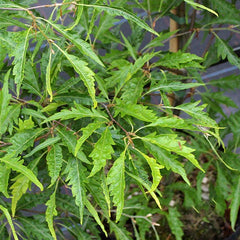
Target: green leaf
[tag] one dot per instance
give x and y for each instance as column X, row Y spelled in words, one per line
column 4, row 177
column 167, row 159
column 54, row 162
column 50, row 213
column 94, row 213
column 225, row 51
column 8, row 217
column 48, row 76
column 197, row 5
column 234, row 206
column 76, row 113
column 135, row 110
column 174, row 223
column 86, row 133
column 70, row 141
column 155, row 169
column 142, row 182
column 102, row 151
column 85, row 73
column 76, row 22
column 22, row 140
column 120, row 232
column 170, row 143
column 179, row 60
column 20, row 59
column 19, row 187
column 197, row 113
column 76, row 178
column 116, row 11
column 129, row 47
column 172, row 86
column 26, row 124
column 18, row 166
column 83, row 46
column 116, row 180
column 43, row 145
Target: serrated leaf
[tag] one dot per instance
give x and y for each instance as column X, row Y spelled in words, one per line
column 142, row 182
column 116, row 180
column 229, row 82
column 43, row 145
column 172, row 86
column 22, row 140
column 4, row 177
column 79, row 14
column 102, row 151
column 120, row 232
column 76, row 178
column 155, row 169
column 54, row 162
column 18, row 166
column 86, row 133
column 197, row 113
column 19, row 187
column 76, row 113
column 167, row 159
column 225, row 51
column 234, row 206
column 70, row 141
column 174, row 223
column 179, row 60
column 20, row 59
column 116, row 11
column 135, row 110
column 26, row 124
column 170, row 143
column 94, row 213
column 50, row 213
column 8, row 217
column 83, row 46
column 129, row 47
column 85, row 73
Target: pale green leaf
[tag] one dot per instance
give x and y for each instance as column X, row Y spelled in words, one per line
column 54, row 162
column 4, row 177
column 86, row 133
column 18, row 166
column 167, row 159
column 135, row 110
column 170, row 143
column 102, row 151
column 142, row 182
column 20, row 59
column 50, row 213
column 94, row 213
column 8, row 217
column 116, row 180
column 198, row 5
column 48, row 76
column 43, row 145
column 76, row 22
column 76, row 178
column 174, row 223
column 19, row 187
column 235, row 203
column 85, row 73
column 70, row 141
column 155, row 169
column 26, row 124
column 116, row 11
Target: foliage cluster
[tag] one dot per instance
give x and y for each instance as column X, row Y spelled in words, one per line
column 84, row 147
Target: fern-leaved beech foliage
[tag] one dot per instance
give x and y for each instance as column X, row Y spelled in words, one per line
column 85, row 148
